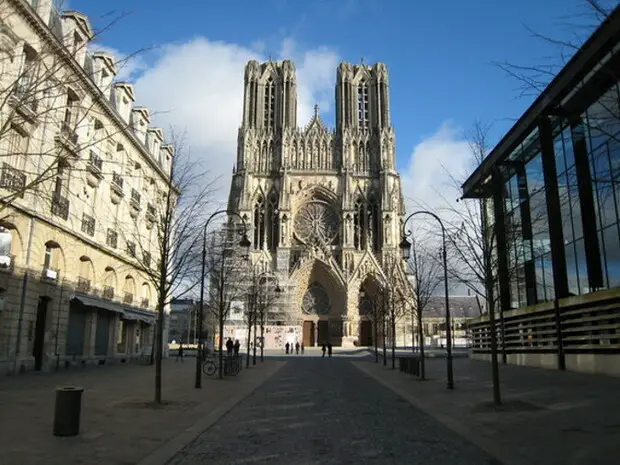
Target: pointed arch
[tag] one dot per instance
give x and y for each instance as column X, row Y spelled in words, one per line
column 269, row 104
column 359, row 223
column 272, row 223
column 259, row 221
column 374, row 222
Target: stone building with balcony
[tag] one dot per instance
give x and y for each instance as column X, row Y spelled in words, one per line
column 81, row 176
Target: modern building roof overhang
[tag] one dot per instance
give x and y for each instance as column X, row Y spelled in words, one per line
column 572, row 80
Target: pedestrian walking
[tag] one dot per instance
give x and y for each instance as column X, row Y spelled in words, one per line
column 324, row 348
column 180, row 353
column 286, row 346
column 302, row 348
column 236, row 347
column 329, row 348
column 297, row 348
column 229, row 346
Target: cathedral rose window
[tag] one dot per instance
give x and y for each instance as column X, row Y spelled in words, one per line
column 315, row 300
column 316, row 221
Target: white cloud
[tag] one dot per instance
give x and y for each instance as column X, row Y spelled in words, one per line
column 436, row 167
column 197, row 86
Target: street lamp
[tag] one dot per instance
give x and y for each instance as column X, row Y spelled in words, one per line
column 405, row 248
column 244, row 243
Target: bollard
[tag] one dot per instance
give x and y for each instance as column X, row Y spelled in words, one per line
column 67, row 411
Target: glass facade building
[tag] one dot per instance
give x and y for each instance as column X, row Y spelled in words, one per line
column 554, row 182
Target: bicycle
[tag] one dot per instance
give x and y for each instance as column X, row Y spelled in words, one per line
column 209, row 367
column 232, row 366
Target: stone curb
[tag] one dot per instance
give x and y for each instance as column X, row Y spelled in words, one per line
column 163, row 454
column 490, row 447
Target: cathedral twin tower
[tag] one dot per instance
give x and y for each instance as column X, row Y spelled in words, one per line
column 324, row 206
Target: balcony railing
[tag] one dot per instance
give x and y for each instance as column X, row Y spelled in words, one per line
column 88, row 224
column 83, row 284
column 68, row 132
column 117, row 180
column 60, row 206
column 131, row 249
column 147, row 259
column 144, row 303
column 95, row 161
column 12, row 179
column 108, row 292
column 128, row 298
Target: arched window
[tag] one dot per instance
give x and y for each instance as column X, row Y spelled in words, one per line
column 129, row 290
column 145, row 295
column 259, row 223
column 85, row 274
column 270, row 103
column 52, row 258
column 362, row 105
column 359, row 224
column 109, row 283
column 272, row 221
column 6, row 247
column 374, row 222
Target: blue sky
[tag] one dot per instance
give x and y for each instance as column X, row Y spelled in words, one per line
column 439, row 55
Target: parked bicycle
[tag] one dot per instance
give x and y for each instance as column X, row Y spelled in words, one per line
column 231, row 365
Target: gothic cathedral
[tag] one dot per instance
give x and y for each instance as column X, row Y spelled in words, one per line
column 324, row 206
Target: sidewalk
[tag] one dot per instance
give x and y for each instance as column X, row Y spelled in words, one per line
column 118, row 425
column 549, row 417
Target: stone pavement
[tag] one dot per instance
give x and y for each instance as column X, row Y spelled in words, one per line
column 323, row 412
column 118, row 426
column 549, row 417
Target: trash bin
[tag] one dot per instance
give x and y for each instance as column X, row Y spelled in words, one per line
column 67, row 411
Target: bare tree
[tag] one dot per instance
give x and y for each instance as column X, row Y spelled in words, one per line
column 269, row 292
column 229, row 273
column 394, row 296
column 46, row 124
column 428, row 276
column 165, row 242
column 250, row 317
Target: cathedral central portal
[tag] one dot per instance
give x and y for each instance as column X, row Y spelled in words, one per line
column 324, row 206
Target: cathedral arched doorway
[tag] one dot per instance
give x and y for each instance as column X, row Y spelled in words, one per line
column 321, row 303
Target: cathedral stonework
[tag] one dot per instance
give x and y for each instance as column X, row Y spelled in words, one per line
column 323, row 207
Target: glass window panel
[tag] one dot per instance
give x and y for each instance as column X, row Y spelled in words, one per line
column 603, row 118
column 611, row 259
column 558, row 148
column 535, row 176
column 603, row 188
column 575, row 206
column 564, row 197
column 571, row 269
column 569, row 154
column 582, row 267
column 544, row 278
column 541, row 242
column 614, row 157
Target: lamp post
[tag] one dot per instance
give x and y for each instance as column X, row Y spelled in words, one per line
column 405, row 248
column 245, row 243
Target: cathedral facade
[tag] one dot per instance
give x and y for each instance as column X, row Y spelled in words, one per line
column 323, row 206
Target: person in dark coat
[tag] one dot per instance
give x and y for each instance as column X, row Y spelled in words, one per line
column 329, row 349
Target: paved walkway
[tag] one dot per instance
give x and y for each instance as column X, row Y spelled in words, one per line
column 326, row 411
column 549, row 417
column 118, row 426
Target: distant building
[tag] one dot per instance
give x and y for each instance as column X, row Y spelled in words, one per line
column 552, row 185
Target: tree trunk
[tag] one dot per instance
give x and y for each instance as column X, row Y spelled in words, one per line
column 384, row 344
column 413, row 332
column 221, row 344
column 247, row 360
column 393, row 329
column 159, row 352
column 376, row 338
column 421, row 339
column 262, row 338
column 254, row 350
